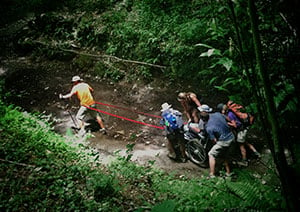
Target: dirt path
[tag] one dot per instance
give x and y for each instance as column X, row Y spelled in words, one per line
column 35, row 87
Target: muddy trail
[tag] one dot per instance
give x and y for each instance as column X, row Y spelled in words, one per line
column 35, row 86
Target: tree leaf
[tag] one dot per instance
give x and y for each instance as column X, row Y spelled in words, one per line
column 204, row 45
column 221, row 88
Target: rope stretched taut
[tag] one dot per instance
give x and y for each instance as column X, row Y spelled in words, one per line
column 124, row 118
column 123, row 108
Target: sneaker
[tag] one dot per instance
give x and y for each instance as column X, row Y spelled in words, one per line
column 257, row 154
column 81, row 132
column 75, row 128
column 243, row 163
column 183, row 160
column 211, row 176
column 172, row 156
column 103, row 131
column 229, row 174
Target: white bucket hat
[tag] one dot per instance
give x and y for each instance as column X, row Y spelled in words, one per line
column 165, row 106
column 76, row 78
column 205, row 108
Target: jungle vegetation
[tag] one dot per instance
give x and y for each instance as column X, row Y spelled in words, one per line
column 229, row 45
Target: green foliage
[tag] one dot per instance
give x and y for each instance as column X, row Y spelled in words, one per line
column 40, row 171
column 83, row 63
column 174, row 194
column 17, row 9
column 96, row 5
column 108, row 72
column 159, row 32
column 165, row 206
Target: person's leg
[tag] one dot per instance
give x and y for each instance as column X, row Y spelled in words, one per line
column 241, row 139
column 253, row 149
column 80, row 116
column 194, row 115
column 244, row 161
column 212, row 165
column 243, row 151
column 100, row 122
column 98, row 118
column 212, row 155
column 227, row 167
column 181, row 142
column 170, row 146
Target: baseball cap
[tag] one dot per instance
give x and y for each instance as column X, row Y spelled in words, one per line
column 220, row 107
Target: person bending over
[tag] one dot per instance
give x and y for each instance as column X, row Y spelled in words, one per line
column 83, row 91
column 190, row 103
column 220, row 134
column 241, row 132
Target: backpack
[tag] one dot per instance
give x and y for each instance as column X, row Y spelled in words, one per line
column 246, row 119
column 172, row 119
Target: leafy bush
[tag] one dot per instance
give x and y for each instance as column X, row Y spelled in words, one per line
column 249, row 192
column 40, row 171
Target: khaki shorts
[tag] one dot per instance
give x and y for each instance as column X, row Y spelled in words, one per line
column 83, row 112
column 221, row 149
column 241, row 136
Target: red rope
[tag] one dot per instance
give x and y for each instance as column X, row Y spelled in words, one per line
column 121, row 117
column 147, row 114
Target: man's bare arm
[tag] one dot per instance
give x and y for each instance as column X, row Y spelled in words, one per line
column 195, row 99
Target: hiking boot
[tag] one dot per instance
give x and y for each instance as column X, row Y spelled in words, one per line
column 243, row 163
column 257, row 154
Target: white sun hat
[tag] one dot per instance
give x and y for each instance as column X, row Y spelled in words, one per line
column 205, row 108
column 165, row 106
column 76, row 78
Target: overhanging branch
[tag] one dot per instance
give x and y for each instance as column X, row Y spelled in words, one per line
column 101, row 56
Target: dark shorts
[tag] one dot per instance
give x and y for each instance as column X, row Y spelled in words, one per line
column 176, row 137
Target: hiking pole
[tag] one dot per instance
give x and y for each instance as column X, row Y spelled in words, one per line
column 74, row 121
column 69, row 112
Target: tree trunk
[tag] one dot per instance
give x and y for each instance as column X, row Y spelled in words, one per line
column 251, row 76
column 288, row 184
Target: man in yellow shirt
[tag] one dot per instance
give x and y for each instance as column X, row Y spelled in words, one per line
column 83, row 92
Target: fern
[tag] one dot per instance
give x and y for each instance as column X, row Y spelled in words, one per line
column 255, row 195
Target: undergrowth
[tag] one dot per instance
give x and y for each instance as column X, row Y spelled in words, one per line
column 43, row 171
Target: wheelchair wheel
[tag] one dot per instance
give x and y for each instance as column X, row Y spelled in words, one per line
column 197, row 153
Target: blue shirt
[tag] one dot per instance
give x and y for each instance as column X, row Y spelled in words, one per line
column 217, row 127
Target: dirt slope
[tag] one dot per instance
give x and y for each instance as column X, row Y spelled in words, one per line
column 35, row 85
